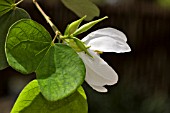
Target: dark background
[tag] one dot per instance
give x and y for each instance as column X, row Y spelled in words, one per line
column 144, row 73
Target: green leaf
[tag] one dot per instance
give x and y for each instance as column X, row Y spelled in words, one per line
column 31, row 100
column 59, row 69
column 6, row 21
column 26, row 44
column 5, row 6
column 82, row 7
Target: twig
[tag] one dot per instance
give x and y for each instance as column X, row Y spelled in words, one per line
column 55, row 29
column 19, row 2
column 56, row 36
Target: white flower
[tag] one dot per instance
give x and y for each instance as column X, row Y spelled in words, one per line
column 98, row 72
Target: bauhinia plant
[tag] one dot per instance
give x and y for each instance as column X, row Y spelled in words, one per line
column 61, row 66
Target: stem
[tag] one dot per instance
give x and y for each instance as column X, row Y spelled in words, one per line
column 56, row 37
column 55, row 29
column 19, row 2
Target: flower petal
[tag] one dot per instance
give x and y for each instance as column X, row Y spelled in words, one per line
column 98, row 72
column 107, row 40
column 99, row 88
column 107, row 32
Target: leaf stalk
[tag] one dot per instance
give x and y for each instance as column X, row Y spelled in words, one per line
column 56, row 37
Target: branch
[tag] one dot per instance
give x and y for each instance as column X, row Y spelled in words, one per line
column 55, row 29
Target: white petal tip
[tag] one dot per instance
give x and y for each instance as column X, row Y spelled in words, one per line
column 124, row 50
column 99, row 88
column 113, row 83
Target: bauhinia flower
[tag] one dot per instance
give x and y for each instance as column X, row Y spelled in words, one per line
column 98, row 72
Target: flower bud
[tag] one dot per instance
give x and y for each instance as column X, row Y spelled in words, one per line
column 73, row 26
column 87, row 26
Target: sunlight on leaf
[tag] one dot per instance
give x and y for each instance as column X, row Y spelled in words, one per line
column 31, row 100
column 59, row 69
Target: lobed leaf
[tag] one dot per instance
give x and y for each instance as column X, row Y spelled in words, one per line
column 62, row 70
column 58, row 68
column 6, row 21
column 31, row 100
column 26, row 44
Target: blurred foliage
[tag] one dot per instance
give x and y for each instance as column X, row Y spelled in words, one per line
column 164, row 3
column 81, row 8
column 98, row 2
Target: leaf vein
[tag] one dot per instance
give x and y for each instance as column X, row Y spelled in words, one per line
column 37, row 30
